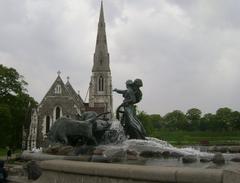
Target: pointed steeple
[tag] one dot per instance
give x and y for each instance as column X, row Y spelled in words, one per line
column 100, row 88
column 101, row 17
column 101, row 56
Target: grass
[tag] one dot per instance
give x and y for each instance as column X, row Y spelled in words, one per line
column 3, row 152
column 194, row 138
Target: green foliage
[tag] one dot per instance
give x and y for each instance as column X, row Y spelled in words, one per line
column 193, row 116
column 235, row 120
column 225, row 120
column 176, row 120
column 3, row 152
column 196, row 137
column 155, row 119
column 5, row 125
column 144, row 118
column 11, row 83
column 15, row 107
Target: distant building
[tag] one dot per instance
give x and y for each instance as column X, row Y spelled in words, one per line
column 62, row 99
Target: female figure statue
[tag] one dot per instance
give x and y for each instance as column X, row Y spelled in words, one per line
column 132, row 95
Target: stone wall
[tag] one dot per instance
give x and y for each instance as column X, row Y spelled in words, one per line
column 83, row 172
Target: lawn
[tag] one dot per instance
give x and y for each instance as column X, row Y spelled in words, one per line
column 3, row 151
column 194, row 138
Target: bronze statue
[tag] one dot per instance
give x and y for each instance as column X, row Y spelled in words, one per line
column 132, row 95
column 89, row 129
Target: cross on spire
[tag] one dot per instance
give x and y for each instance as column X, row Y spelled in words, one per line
column 59, row 72
column 68, row 78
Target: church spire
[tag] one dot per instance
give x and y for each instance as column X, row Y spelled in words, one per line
column 100, row 89
column 101, row 56
column 101, row 17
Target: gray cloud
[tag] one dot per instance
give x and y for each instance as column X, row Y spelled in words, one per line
column 186, row 52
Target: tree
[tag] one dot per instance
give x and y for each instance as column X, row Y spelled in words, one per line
column 5, row 125
column 207, row 122
column 155, row 120
column 193, row 116
column 235, row 120
column 145, row 119
column 223, row 118
column 15, row 105
column 11, row 83
column 176, row 120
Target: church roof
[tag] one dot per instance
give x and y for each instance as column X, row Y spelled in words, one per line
column 52, row 90
column 73, row 93
column 59, row 89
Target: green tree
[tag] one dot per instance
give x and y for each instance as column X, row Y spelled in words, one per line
column 207, row 122
column 11, row 83
column 235, row 120
column 155, row 120
column 15, row 106
column 223, row 118
column 176, row 120
column 193, row 116
column 145, row 119
column 5, row 125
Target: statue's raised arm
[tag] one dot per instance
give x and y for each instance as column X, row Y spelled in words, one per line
column 119, row 91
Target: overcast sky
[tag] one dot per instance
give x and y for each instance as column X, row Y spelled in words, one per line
column 186, row 52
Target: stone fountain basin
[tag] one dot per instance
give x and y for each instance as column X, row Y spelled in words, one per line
column 142, row 152
column 68, row 171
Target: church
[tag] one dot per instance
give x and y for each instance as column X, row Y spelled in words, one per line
column 62, row 100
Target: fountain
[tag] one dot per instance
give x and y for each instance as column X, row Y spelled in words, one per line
column 123, row 134
column 122, row 140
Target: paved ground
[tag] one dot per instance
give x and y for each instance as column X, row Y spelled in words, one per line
column 17, row 179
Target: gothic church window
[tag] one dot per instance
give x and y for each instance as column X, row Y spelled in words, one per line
column 47, row 124
column 58, row 89
column 58, row 112
column 100, row 83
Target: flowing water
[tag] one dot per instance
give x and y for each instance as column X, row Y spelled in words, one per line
column 155, row 145
column 150, row 144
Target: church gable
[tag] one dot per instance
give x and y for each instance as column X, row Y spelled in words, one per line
column 62, row 96
column 57, row 89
